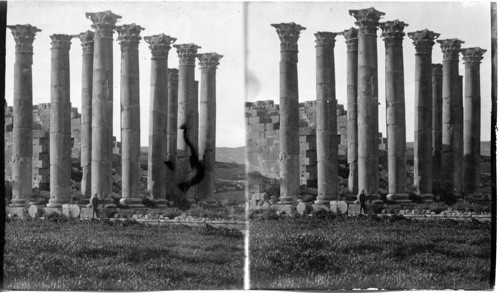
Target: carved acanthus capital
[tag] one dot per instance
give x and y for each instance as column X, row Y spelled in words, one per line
column 209, row 60
column 87, row 39
column 326, row 39
column 351, row 38
column 159, row 45
column 289, row 35
column 103, row 23
column 24, row 35
column 367, row 20
column 423, row 40
column 173, row 74
column 129, row 35
column 187, row 53
column 392, row 32
column 437, row 69
column 60, row 41
column 450, row 48
column 472, row 56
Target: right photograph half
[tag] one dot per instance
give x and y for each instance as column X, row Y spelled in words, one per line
column 370, row 145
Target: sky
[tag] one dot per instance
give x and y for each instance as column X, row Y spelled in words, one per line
column 215, row 26
column 469, row 22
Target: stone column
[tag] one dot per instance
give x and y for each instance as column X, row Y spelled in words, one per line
column 289, row 112
column 451, row 157
column 208, row 65
column 102, row 103
column 173, row 82
column 87, row 39
column 392, row 32
column 437, row 123
column 351, row 37
column 423, row 41
column 157, row 170
column 129, row 37
column 326, row 119
column 368, row 176
column 186, row 116
column 60, row 122
column 472, row 119
column 461, row 131
column 22, row 133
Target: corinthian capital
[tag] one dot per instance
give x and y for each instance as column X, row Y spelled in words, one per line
column 187, row 53
column 60, row 41
column 450, row 48
column 351, row 38
column 326, row 39
column 437, row 69
column 209, row 60
column 159, row 45
column 392, row 32
column 472, row 55
column 24, row 35
column 103, row 23
column 423, row 40
column 87, row 39
column 367, row 19
column 129, row 35
column 289, row 35
column 173, row 74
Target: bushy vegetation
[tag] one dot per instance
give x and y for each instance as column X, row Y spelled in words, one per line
column 369, row 252
column 67, row 254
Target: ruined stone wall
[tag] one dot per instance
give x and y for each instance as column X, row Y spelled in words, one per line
column 262, row 121
column 41, row 127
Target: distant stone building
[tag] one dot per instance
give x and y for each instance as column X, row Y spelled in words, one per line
column 263, row 122
column 41, row 127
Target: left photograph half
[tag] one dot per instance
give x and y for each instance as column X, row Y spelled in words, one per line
column 124, row 146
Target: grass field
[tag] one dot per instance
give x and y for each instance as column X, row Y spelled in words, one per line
column 91, row 255
column 363, row 252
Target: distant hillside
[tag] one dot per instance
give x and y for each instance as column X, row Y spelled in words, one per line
column 485, row 148
column 229, row 155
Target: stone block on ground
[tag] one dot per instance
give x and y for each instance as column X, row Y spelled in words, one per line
column 18, row 211
column 52, row 211
column 304, row 208
column 35, row 211
column 339, row 207
column 320, row 207
column 353, row 209
column 86, row 213
column 287, row 208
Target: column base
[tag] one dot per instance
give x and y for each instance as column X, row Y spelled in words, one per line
column 322, row 201
column 56, row 203
column 427, row 197
column 162, row 203
column 18, row 202
column 132, row 202
column 286, row 199
column 399, row 197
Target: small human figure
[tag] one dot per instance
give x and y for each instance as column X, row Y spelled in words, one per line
column 362, row 202
column 95, row 205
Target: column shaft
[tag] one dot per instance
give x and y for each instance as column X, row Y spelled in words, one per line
column 60, row 122
column 173, row 79
column 437, row 124
column 22, row 144
column 326, row 119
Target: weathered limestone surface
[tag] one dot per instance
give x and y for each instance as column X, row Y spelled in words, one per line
column 60, row 122
column 129, row 37
column 22, row 148
column 326, row 119
column 173, row 86
column 392, row 32
column 157, row 171
column 472, row 119
column 461, row 130
column 423, row 41
column 437, row 124
column 368, row 176
column 289, row 112
column 87, row 39
column 102, row 103
column 187, row 115
column 351, row 36
column 451, row 156
column 207, row 126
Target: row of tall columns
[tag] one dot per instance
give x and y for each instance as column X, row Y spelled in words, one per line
column 367, row 112
column 326, row 119
column 60, row 122
column 289, row 112
column 392, row 32
column 22, row 150
column 87, row 40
